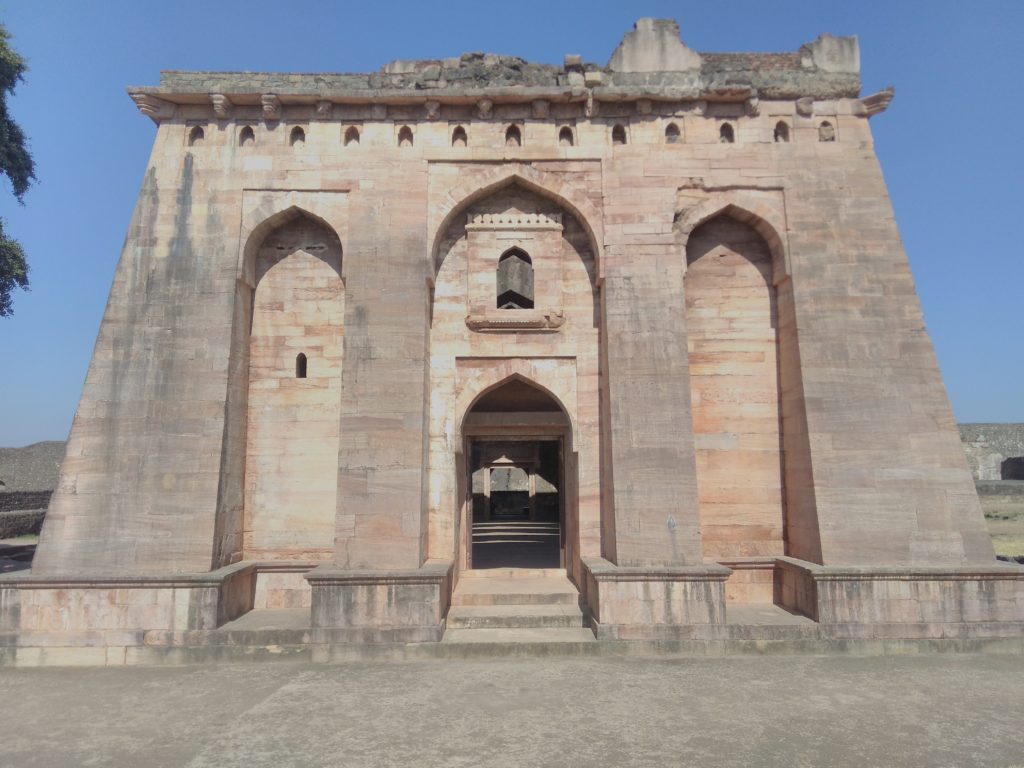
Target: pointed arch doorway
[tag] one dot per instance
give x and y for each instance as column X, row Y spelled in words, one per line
column 518, row 479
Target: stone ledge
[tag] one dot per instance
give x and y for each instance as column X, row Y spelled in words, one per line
column 31, row 580
column 604, row 570
column 995, row 572
column 171, row 655
column 431, row 572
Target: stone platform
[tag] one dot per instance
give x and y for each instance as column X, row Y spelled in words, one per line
column 509, row 613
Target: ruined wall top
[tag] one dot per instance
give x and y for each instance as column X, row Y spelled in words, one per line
column 651, row 62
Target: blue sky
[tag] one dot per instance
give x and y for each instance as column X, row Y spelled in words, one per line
column 950, row 145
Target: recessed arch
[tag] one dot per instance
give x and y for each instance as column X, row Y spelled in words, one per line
column 297, row 136
column 727, row 134
column 289, row 326
column 672, row 134
column 246, row 136
column 459, row 137
column 405, row 136
column 260, row 230
column 196, row 136
column 565, row 137
column 543, row 183
column 492, row 382
column 754, row 213
column 826, row 131
column 513, row 136
column 619, row 134
column 351, row 135
column 781, row 133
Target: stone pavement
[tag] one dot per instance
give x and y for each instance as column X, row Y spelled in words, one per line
column 751, row 711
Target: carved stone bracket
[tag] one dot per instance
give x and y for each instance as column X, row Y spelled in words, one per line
column 541, row 107
column 644, row 106
column 222, row 106
column 152, row 107
column 324, row 109
column 805, row 106
column 271, row 107
column 878, row 102
column 378, row 111
column 484, row 108
column 433, row 109
column 516, row 320
column 753, row 106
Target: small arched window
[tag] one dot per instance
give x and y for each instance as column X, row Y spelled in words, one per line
column 297, row 137
column 351, row 135
column 672, row 134
column 515, row 280
column 781, row 132
column 826, row 131
column 405, row 136
column 726, row 135
column 459, row 138
column 246, row 136
column 196, row 136
column 300, row 366
column 513, row 136
column 565, row 137
column 618, row 135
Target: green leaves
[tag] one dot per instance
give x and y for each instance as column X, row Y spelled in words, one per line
column 13, row 270
column 17, row 164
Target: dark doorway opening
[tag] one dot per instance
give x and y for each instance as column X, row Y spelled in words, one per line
column 1012, row 468
column 517, row 502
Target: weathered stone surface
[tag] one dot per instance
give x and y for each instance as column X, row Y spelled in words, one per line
column 310, row 335
column 653, row 46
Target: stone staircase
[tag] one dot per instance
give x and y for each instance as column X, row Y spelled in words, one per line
column 517, row 611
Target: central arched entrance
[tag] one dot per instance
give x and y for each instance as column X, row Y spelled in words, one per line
column 517, row 438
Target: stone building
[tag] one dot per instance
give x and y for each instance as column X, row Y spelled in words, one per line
column 383, row 348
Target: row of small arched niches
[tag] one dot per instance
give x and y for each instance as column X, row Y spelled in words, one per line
column 514, row 135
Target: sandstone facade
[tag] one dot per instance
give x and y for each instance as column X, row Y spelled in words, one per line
column 682, row 270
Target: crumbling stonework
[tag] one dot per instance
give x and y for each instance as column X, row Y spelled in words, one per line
column 310, row 336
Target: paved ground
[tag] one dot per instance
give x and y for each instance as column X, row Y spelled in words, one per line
column 773, row 711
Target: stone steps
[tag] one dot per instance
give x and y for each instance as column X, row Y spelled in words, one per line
column 515, row 617
column 507, row 611
column 527, row 590
column 512, row 573
column 519, row 635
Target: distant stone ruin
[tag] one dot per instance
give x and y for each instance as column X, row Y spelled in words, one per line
column 995, row 452
column 28, row 477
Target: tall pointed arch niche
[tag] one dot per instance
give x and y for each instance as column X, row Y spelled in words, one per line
column 294, row 394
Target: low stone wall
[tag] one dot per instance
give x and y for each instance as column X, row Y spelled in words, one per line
column 380, row 606
column 21, row 522
column 21, row 501
column 22, row 512
column 634, row 603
